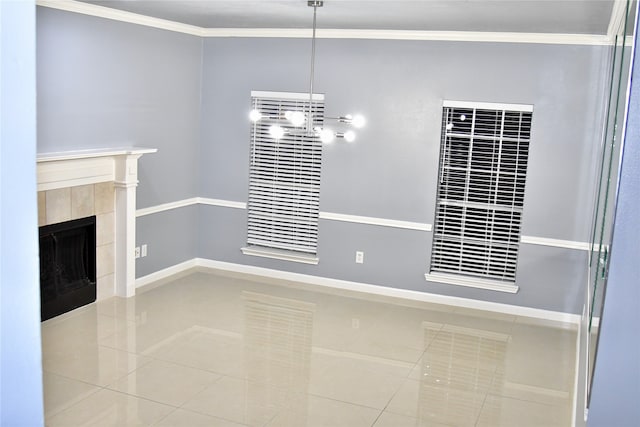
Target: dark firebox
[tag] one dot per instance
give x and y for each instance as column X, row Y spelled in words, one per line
column 67, row 266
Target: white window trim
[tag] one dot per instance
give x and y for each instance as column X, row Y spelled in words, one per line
column 258, row 241
column 525, row 108
column 472, row 282
column 286, row 95
column 280, row 254
column 461, row 279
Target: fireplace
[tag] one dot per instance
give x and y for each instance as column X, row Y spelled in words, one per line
column 100, row 182
column 67, row 266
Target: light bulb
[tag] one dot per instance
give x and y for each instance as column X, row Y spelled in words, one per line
column 326, row 135
column 449, row 126
column 349, row 136
column 255, row 115
column 358, row 121
column 297, row 118
column 276, row 131
column 463, row 117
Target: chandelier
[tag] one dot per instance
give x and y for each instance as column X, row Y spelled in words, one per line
column 301, row 120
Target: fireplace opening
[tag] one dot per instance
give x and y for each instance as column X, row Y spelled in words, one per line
column 67, row 266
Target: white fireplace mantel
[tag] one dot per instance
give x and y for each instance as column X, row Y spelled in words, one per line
column 117, row 165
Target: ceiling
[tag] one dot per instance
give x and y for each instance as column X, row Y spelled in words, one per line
column 524, row 16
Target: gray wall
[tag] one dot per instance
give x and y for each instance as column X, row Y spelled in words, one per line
column 390, row 172
column 616, row 384
column 20, row 353
column 399, row 86
column 103, row 83
column 167, row 244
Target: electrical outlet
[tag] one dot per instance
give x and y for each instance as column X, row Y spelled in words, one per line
column 137, row 252
column 143, row 250
column 359, row 257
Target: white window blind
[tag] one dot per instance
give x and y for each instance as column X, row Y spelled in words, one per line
column 483, row 163
column 284, row 175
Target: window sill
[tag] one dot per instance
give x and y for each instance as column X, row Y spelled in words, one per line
column 281, row 255
column 491, row 285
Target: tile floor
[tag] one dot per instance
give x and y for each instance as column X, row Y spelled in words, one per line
column 225, row 350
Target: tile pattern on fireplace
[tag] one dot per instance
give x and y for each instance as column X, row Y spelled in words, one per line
column 68, row 203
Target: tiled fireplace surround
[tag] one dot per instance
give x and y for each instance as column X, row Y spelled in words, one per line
column 64, row 204
column 78, row 184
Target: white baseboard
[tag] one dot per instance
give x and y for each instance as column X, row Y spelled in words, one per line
column 536, row 313
column 165, row 273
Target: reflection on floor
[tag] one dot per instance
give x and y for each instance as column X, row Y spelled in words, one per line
column 223, row 350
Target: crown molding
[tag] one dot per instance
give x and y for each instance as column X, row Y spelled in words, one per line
column 120, row 15
column 617, row 18
column 461, row 36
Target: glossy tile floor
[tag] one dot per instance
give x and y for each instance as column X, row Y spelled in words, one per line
column 223, row 350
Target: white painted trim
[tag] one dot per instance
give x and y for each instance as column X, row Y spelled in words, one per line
column 166, row 206
column 286, row 95
column 121, row 15
column 293, row 33
column 617, row 18
column 332, row 216
column 557, row 243
column 120, row 166
column 92, row 153
column 576, row 373
column 165, row 273
column 553, row 316
column 462, row 36
column 65, row 173
column 323, row 215
column 189, row 202
column 490, row 285
column 488, row 105
column 629, row 40
column 375, row 221
column 222, row 203
column 282, row 255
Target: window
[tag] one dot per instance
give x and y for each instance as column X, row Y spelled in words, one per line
column 483, row 163
column 284, row 178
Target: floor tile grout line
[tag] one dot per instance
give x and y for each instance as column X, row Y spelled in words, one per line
column 182, row 406
column 333, row 399
column 484, row 401
column 141, row 397
column 75, row 402
column 510, row 325
column 377, row 418
column 164, row 418
column 406, row 380
column 114, row 391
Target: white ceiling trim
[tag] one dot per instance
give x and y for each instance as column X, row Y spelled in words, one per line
column 120, row 15
column 617, row 18
column 462, row 36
